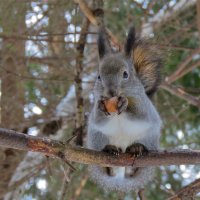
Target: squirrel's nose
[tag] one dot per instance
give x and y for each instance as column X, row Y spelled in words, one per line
column 111, row 93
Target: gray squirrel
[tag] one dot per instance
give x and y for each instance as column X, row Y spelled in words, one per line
column 132, row 76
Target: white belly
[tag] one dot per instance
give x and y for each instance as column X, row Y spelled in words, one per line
column 122, row 132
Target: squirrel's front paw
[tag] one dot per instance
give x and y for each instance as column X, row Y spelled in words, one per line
column 102, row 107
column 111, row 149
column 137, row 150
column 122, row 104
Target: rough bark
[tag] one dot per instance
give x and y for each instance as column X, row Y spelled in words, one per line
column 67, row 152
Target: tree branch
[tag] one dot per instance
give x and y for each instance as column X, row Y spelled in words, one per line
column 95, row 21
column 65, row 152
column 79, row 123
column 187, row 192
column 182, row 68
column 141, row 194
column 179, row 92
column 80, row 187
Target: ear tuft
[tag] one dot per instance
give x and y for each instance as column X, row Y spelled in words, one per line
column 129, row 42
column 103, row 43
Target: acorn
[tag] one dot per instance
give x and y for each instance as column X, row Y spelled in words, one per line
column 111, row 104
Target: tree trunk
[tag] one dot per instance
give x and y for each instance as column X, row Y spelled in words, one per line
column 12, row 90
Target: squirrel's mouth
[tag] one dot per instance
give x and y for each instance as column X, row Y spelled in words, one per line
column 112, row 93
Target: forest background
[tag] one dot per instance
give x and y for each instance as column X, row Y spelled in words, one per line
column 48, row 63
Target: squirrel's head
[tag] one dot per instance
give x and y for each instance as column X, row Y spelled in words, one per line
column 134, row 70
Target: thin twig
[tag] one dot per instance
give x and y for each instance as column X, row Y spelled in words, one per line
column 63, row 190
column 95, row 21
column 141, row 194
column 179, row 92
column 187, row 192
column 80, row 187
column 66, row 179
column 25, row 178
column 182, row 68
column 25, row 77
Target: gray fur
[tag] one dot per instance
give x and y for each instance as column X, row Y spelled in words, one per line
column 118, row 184
column 111, row 69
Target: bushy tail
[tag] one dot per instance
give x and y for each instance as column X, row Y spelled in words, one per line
column 121, row 183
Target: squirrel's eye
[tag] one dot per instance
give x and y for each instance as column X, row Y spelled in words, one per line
column 99, row 78
column 125, row 75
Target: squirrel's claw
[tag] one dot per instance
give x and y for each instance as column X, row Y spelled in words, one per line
column 111, row 149
column 122, row 104
column 101, row 106
column 137, row 150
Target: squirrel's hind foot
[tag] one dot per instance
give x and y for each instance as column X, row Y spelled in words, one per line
column 137, row 150
column 111, row 149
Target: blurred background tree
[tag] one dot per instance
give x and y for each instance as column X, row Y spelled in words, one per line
column 48, row 66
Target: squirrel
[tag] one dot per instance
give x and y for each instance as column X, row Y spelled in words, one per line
column 133, row 77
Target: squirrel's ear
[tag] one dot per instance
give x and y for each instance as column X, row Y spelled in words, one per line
column 103, row 43
column 129, row 42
